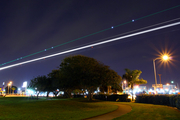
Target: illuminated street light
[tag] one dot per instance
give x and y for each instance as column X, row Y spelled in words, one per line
column 165, row 58
column 167, row 84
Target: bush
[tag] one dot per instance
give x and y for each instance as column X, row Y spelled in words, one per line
column 178, row 102
column 170, row 100
column 78, row 96
column 121, row 98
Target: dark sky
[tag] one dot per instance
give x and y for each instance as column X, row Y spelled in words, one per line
column 29, row 26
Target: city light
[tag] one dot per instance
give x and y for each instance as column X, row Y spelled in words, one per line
column 24, row 84
column 30, row 91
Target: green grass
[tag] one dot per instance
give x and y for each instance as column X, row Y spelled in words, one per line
column 17, row 108
column 64, row 109
column 150, row 112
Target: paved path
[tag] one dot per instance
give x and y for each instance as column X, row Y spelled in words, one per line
column 122, row 109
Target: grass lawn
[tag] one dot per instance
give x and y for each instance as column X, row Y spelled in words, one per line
column 64, row 109
column 18, row 108
column 150, row 112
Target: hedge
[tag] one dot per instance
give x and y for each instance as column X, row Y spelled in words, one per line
column 121, row 98
column 78, row 96
column 170, row 100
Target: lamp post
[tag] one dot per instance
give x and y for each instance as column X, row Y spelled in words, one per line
column 8, row 88
column 9, row 84
column 164, row 57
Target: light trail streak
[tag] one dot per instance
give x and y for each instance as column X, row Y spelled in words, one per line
column 95, row 44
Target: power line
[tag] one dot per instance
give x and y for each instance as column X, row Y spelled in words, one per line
column 89, row 35
column 95, row 44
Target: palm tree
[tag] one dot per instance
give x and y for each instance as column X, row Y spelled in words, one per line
column 132, row 76
column 13, row 88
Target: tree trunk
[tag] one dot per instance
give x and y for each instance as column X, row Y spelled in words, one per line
column 47, row 94
column 37, row 95
column 55, row 93
column 90, row 95
column 67, row 93
column 107, row 89
column 132, row 95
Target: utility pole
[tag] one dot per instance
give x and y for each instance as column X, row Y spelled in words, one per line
column 159, row 78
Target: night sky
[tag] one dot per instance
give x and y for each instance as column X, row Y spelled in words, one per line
column 30, row 26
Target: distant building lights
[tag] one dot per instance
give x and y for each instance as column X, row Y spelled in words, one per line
column 24, row 84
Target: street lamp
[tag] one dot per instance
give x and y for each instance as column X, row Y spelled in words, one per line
column 8, row 88
column 164, row 57
column 9, row 84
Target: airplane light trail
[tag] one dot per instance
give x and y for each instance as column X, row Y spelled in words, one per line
column 95, row 44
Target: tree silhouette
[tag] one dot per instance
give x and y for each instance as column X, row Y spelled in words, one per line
column 81, row 72
column 132, row 76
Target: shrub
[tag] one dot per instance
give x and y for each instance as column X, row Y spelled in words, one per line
column 170, row 100
column 178, row 102
column 78, row 96
column 121, row 98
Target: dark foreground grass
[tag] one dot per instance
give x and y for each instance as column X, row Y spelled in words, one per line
column 17, row 108
column 150, row 112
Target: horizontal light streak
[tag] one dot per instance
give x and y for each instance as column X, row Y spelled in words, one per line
column 95, row 44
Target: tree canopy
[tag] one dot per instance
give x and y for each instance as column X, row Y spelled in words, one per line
column 132, row 76
column 81, row 72
column 77, row 72
column 11, row 89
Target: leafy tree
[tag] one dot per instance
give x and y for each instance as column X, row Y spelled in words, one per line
column 132, row 76
column 39, row 84
column 81, row 72
column 55, row 78
column 12, row 89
